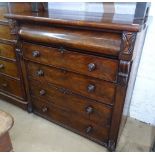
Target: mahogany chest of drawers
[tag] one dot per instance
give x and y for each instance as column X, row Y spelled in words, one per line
column 11, row 79
column 78, row 69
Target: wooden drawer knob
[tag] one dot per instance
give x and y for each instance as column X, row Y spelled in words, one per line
column 91, row 67
column 1, row 66
column 35, row 53
column 91, row 88
column 40, row 73
column 62, row 50
column 4, row 85
column 44, row 109
column 42, row 92
column 89, row 110
column 89, row 129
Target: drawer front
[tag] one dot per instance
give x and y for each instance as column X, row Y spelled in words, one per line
column 81, row 63
column 96, row 89
column 71, row 121
column 9, row 68
column 5, row 32
column 95, row 111
column 11, row 86
column 7, row 51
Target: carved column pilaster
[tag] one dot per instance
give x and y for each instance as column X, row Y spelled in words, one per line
column 125, row 56
column 14, row 26
column 124, row 69
column 127, row 45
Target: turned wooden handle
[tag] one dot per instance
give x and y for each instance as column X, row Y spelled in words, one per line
column 89, row 110
column 62, row 50
column 91, row 88
column 40, row 73
column 89, row 129
column 42, row 92
column 35, row 53
column 44, row 109
column 91, row 67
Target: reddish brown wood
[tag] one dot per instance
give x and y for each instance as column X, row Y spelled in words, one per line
column 77, row 69
column 103, row 91
column 84, row 20
column 95, row 111
column 81, row 63
column 9, row 68
column 102, row 43
column 11, row 86
column 7, row 51
column 5, row 143
column 5, row 32
column 74, row 122
column 15, row 92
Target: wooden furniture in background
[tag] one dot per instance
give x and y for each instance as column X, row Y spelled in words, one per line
column 11, row 78
column 6, row 123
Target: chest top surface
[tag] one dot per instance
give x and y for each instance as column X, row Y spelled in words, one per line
column 120, row 22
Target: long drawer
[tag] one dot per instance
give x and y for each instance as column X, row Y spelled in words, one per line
column 71, row 121
column 93, row 88
column 7, row 51
column 9, row 68
column 11, row 86
column 89, row 109
column 90, row 65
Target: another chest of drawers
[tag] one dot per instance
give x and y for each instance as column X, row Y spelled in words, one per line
column 11, row 80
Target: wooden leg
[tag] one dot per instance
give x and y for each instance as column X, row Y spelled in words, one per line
column 5, row 143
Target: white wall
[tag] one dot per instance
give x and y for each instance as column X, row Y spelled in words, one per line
column 143, row 100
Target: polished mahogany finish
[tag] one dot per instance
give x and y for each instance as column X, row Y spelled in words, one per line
column 12, row 84
column 90, row 65
column 82, row 19
column 93, row 88
column 5, row 32
column 72, row 121
column 102, row 43
column 79, row 68
column 7, row 51
column 9, row 68
column 90, row 109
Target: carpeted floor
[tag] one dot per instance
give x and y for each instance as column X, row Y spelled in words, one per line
column 32, row 133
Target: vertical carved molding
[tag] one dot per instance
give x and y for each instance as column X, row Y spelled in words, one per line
column 124, row 68
column 127, row 45
column 125, row 63
column 14, row 26
column 126, row 54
